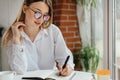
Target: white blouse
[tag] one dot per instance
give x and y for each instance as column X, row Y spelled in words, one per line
column 48, row 48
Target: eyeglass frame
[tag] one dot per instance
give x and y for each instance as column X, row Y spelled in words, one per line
column 39, row 13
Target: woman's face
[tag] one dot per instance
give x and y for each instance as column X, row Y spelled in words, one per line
column 36, row 14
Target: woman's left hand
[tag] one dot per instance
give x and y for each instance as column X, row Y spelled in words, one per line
column 66, row 71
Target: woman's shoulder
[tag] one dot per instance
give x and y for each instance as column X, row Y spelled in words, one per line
column 54, row 28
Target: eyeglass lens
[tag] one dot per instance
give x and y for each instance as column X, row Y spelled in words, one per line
column 38, row 15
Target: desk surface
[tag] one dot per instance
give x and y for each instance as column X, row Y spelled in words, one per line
column 76, row 75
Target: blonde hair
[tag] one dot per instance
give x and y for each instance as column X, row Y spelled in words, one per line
column 8, row 33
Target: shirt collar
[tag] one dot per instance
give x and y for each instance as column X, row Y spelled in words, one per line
column 45, row 31
column 24, row 35
column 42, row 31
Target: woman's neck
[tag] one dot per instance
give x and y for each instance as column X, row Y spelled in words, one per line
column 32, row 33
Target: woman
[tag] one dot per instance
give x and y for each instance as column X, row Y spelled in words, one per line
column 34, row 43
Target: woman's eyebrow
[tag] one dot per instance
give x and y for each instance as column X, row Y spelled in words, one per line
column 41, row 11
column 38, row 9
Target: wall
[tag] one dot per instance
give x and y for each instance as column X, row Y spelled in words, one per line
column 8, row 11
column 65, row 17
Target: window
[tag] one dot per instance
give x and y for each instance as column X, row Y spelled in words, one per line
column 107, row 34
column 117, row 38
column 98, row 25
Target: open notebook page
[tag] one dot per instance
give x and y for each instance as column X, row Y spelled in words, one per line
column 55, row 75
column 75, row 75
column 41, row 73
column 48, row 74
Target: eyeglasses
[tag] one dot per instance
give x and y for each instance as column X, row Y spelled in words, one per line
column 38, row 15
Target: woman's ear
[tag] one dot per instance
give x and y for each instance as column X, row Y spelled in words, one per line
column 25, row 8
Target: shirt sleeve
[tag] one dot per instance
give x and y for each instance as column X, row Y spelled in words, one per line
column 61, row 50
column 17, row 58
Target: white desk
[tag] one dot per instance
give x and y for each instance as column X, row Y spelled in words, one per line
column 53, row 74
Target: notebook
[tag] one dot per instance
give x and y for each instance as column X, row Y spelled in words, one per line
column 46, row 75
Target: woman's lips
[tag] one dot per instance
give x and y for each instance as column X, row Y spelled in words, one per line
column 36, row 22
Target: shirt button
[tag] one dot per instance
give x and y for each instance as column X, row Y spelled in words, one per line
column 21, row 50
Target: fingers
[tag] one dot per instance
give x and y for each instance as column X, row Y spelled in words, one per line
column 66, row 71
column 16, row 29
column 59, row 68
column 18, row 25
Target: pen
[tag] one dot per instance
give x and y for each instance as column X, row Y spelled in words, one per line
column 66, row 62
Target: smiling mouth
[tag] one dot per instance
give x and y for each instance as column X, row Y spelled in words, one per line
column 37, row 23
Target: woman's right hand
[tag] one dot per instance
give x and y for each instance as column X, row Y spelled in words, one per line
column 16, row 29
